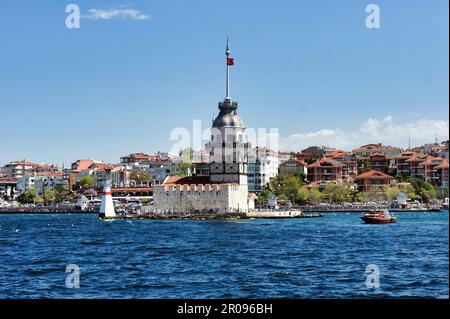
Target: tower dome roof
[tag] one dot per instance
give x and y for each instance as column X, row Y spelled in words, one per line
column 228, row 116
column 228, row 120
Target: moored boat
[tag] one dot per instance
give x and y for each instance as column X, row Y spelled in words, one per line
column 379, row 217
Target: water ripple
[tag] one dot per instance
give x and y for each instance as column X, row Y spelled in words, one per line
column 298, row 258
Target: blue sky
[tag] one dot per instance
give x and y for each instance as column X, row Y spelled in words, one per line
column 309, row 68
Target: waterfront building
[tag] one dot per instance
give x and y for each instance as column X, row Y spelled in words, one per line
column 8, row 187
column 379, row 162
column 415, row 169
column 40, row 182
column 366, row 150
column 226, row 187
column 119, row 176
column 373, row 180
column 293, row 166
column 18, row 169
column 136, row 159
column 47, row 168
column 262, row 167
column 325, row 170
column 433, row 170
column 158, row 167
column 349, row 162
column 82, row 165
column 100, row 172
column 402, row 166
column 442, row 171
column 50, row 181
column 25, row 183
column 284, row 156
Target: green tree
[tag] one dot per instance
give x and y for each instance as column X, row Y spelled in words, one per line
column 417, row 183
column 49, row 195
column 303, row 194
column 30, row 196
column 444, row 193
column 291, row 188
column 140, row 176
column 408, row 189
column 62, row 193
column 264, row 194
column 186, row 155
column 360, row 197
column 315, row 195
column 185, row 166
column 427, row 192
column 85, row 182
column 337, row 193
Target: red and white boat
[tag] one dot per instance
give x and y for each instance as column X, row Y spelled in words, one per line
column 379, row 217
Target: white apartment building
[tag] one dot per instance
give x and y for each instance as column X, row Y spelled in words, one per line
column 40, row 182
column 262, row 167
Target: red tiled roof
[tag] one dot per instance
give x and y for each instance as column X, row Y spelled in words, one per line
column 406, row 154
column 321, row 161
column 22, row 163
column 443, row 165
column 418, row 158
column 336, row 153
column 83, row 165
column 49, row 174
column 377, row 155
column 374, row 174
column 431, row 159
column 301, row 162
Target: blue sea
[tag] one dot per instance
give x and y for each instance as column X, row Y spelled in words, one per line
column 262, row 258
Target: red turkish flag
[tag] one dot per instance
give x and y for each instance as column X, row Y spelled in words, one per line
column 230, row 61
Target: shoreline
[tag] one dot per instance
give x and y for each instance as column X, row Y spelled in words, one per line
column 149, row 215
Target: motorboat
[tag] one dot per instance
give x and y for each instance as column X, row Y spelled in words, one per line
column 379, row 217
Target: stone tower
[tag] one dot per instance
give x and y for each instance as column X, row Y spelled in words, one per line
column 228, row 146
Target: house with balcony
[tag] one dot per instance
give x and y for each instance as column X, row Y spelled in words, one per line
column 379, row 162
column 373, row 180
column 431, row 173
column 348, row 160
column 326, row 170
column 402, row 166
column 442, row 173
column 263, row 165
column 41, row 181
column 293, row 166
column 366, row 150
column 18, row 169
column 416, row 170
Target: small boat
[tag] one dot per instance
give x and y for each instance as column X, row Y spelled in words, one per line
column 379, row 217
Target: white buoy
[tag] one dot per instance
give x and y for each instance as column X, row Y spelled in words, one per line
column 107, row 208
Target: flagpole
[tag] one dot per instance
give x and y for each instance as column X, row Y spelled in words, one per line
column 227, row 53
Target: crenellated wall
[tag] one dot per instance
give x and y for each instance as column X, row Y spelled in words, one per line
column 217, row 198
